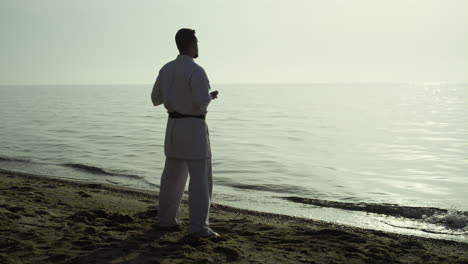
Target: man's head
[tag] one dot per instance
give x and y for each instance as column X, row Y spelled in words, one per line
column 187, row 43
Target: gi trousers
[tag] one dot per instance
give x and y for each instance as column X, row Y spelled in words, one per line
column 172, row 187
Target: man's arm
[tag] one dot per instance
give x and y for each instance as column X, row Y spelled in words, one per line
column 200, row 89
column 156, row 94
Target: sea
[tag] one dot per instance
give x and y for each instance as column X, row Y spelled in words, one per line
column 385, row 156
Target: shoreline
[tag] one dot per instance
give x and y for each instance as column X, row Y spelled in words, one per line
column 154, row 195
column 51, row 220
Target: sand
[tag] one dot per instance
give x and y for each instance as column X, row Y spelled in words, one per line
column 44, row 220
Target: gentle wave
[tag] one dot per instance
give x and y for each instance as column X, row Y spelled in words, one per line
column 451, row 219
column 97, row 170
column 3, row 158
column 275, row 188
column 76, row 166
column 386, row 209
column 87, row 168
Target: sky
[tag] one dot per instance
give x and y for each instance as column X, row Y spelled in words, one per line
column 242, row 41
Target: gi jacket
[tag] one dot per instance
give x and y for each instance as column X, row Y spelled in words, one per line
column 182, row 86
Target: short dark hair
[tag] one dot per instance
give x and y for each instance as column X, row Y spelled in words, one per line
column 184, row 38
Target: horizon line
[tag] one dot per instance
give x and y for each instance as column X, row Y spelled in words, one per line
column 246, row 83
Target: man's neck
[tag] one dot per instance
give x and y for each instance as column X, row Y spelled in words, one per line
column 186, row 54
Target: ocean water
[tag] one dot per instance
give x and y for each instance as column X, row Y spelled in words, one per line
column 391, row 157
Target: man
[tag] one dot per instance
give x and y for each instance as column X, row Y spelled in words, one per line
column 183, row 87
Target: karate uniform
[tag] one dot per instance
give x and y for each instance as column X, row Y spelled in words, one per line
column 183, row 87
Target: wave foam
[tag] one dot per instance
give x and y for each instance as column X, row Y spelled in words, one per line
column 453, row 219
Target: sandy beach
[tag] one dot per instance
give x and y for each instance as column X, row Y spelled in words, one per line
column 45, row 220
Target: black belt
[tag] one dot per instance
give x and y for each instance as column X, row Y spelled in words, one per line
column 179, row 115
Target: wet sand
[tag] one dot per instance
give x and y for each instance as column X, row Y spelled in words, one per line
column 44, row 220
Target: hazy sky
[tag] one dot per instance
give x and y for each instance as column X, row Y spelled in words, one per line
column 242, row 41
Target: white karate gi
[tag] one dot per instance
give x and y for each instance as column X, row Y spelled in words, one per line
column 182, row 86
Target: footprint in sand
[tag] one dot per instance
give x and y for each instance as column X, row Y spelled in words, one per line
column 90, row 230
column 62, row 203
column 27, row 235
column 94, row 186
column 120, row 218
column 247, row 233
column 84, row 195
column 148, row 214
column 56, row 258
column 6, row 242
column 85, row 244
column 82, row 217
column 6, row 215
column 14, row 209
column 93, row 215
column 50, row 186
column 21, row 188
column 337, row 235
column 230, row 254
column 266, row 228
column 42, row 212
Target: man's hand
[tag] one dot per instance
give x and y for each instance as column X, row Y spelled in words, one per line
column 214, row 95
